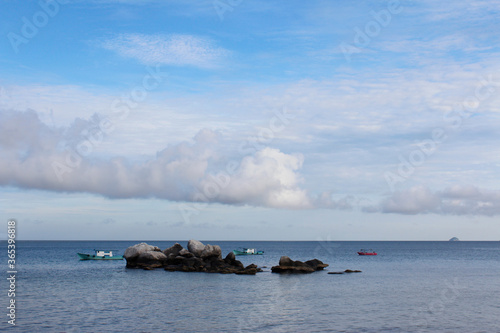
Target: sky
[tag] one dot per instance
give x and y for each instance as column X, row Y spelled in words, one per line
column 250, row 120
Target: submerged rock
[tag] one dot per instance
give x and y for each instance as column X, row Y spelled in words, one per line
column 287, row 265
column 346, row 271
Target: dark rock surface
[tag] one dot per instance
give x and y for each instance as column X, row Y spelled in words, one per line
column 287, row 265
column 174, row 249
column 198, row 258
column 151, row 259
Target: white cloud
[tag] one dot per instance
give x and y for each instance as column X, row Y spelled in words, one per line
column 174, row 49
column 455, row 200
column 35, row 156
column 415, row 200
column 267, row 178
column 350, row 131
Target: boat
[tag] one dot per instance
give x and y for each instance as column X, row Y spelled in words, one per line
column 369, row 252
column 245, row 251
column 99, row 255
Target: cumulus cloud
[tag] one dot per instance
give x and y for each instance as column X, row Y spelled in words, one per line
column 36, row 156
column 174, row 49
column 267, row 178
column 455, row 200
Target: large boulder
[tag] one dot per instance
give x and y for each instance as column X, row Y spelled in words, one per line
column 211, row 251
column 287, row 265
column 151, row 259
column 134, row 251
column 196, row 247
column 144, row 255
column 250, row 270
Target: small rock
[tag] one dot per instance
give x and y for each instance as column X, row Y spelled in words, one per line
column 185, row 253
column 174, row 249
column 316, row 264
column 238, row 264
column 287, row 265
column 249, row 271
column 230, row 257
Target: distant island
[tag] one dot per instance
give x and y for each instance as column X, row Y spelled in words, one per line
column 454, row 239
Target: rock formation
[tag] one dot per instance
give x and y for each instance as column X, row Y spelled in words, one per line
column 197, row 258
column 346, row 271
column 287, row 265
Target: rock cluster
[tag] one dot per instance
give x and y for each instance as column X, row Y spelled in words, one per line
column 287, row 265
column 196, row 258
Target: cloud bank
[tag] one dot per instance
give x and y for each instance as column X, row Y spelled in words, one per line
column 35, row 156
column 454, row 200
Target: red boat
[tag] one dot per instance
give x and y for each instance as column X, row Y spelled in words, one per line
column 367, row 253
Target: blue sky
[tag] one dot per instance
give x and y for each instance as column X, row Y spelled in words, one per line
column 224, row 120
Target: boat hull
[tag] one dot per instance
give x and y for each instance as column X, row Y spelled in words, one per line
column 241, row 253
column 367, row 253
column 84, row 256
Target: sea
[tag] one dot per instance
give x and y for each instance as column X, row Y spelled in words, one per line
column 407, row 287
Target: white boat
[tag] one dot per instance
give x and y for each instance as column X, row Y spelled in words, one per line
column 245, row 251
column 99, row 255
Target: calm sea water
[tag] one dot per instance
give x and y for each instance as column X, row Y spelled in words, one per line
column 408, row 287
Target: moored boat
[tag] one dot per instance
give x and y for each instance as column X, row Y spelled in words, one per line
column 99, row 255
column 245, row 251
column 369, row 252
